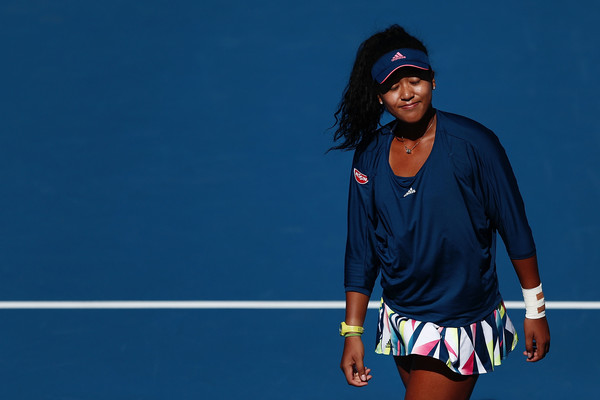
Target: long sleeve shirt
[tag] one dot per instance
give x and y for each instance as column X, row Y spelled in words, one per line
column 433, row 236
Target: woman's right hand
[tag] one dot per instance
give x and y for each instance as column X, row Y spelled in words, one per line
column 352, row 362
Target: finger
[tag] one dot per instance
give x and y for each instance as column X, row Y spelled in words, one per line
column 546, row 346
column 348, row 371
column 529, row 347
column 352, row 376
column 357, row 381
column 360, row 368
column 536, row 357
column 541, row 350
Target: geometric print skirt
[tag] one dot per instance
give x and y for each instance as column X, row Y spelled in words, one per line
column 468, row 350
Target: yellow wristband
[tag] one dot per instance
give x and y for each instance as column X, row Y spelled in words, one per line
column 345, row 329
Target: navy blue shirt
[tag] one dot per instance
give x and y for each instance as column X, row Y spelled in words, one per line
column 433, row 236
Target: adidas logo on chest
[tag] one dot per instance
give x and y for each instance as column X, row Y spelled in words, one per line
column 410, row 191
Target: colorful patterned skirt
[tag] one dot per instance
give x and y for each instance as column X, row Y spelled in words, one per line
column 467, row 350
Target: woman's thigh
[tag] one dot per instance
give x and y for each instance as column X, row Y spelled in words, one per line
column 403, row 365
column 426, row 378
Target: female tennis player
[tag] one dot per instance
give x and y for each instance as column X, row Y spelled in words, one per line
column 428, row 192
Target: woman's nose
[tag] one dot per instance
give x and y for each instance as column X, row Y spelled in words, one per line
column 406, row 93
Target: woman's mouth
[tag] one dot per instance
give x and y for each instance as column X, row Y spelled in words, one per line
column 409, row 106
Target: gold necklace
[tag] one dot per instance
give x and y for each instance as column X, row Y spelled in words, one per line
column 401, row 138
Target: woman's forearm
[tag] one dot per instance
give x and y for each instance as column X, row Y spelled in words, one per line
column 356, row 308
column 527, row 271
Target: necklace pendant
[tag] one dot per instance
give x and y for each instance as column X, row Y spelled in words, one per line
column 408, row 151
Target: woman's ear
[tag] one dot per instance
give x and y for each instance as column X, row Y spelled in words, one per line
column 433, row 83
column 380, row 99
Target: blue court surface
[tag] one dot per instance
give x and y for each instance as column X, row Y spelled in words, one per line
column 176, row 151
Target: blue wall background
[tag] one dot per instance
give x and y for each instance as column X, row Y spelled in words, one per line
column 176, row 150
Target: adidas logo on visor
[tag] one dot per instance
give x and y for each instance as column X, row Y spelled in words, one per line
column 398, row 56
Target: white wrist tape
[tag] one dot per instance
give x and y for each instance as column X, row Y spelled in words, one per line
column 535, row 304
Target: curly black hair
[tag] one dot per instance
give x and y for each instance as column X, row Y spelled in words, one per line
column 357, row 117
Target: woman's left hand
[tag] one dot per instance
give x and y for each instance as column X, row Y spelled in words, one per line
column 537, row 338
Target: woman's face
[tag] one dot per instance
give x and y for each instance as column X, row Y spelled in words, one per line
column 408, row 95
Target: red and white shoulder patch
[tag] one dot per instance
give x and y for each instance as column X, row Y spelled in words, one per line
column 360, row 177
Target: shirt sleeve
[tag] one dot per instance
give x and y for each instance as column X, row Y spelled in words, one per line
column 361, row 266
column 504, row 204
